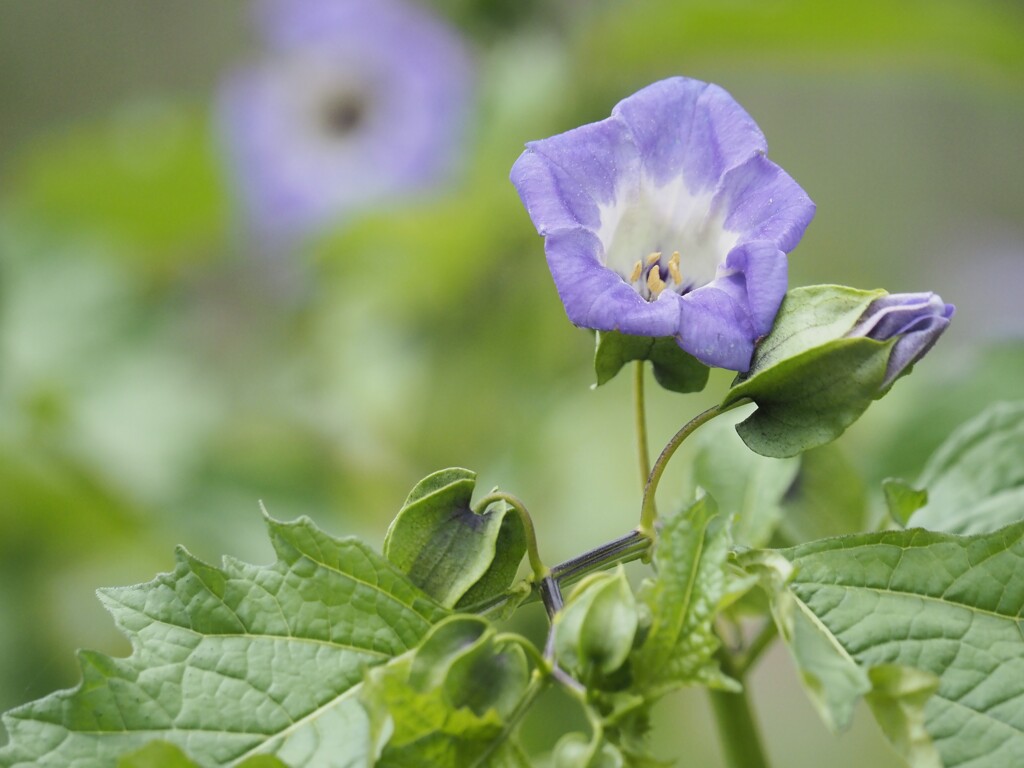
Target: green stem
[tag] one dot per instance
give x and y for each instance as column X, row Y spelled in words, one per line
column 648, row 512
column 632, row 546
column 640, row 414
column 734, row 718
column 737, row 731
column 745, row 661
column 540, row 571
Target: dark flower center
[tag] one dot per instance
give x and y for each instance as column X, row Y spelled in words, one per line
column 344, row 113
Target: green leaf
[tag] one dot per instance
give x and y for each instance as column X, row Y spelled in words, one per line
column 160, row 754
column 236, row 661
column 449, row 702
column 808, row 381
column 454, row 554
column 691, row 585
column 747, row 487
column 674, row 369
column 902, row 499
column 975, row 480
column 897, row 699
column 947, row 605
column 827, row 498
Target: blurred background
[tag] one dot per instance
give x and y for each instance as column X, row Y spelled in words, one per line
column 220, row 285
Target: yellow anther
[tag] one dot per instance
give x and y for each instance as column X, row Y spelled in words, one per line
column 654, row 258
column 673, row 268
column 638, row 270
column 654, row 282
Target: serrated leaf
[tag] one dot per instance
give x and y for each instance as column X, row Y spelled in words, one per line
column 947, row 605
column 450, row 551
column 809, row 382
column 448, row 703
column 674, row 369
column 827, row 498
column 902, row 499
column 747, row 487
column 975, row 480
column 236, row 661
column 691, row 583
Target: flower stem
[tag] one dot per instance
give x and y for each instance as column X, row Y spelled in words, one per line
column 648, row 512
column 540, row 571
column 640, row 414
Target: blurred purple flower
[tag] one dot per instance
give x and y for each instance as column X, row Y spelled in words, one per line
column 916, row 320
column 358, row 101
column 667, row 219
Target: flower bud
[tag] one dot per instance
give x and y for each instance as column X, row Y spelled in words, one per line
column 831, row 352
column 915, row 320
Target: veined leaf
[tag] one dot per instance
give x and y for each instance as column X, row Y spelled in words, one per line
column 237, row 661
column 975, row 480
column 692, row 582
column 949, row 606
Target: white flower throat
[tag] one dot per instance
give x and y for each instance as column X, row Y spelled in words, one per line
column 664, row 238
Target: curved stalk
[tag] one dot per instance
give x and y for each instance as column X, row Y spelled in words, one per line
column 648, row 512
column 540, row 571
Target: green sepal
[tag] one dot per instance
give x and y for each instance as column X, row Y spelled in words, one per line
column 808, row 381
column 975, row 479
column 447, row 703
column 594, row 632
column 574, row 750
column 674, row 369
column 454, row 554
column 902, row 499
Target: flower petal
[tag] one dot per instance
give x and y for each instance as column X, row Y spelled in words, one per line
column 689, row 128
column 762, row 202
column 715, row 326
column 552, row 198
column 765, row 278
column 596, row 297
column 914, row 345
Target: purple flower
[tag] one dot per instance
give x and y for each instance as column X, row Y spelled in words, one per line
column 667, row 219
column 916, row 320
column 358, row 100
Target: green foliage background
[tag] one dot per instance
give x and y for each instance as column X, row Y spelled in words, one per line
column 158, row 377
